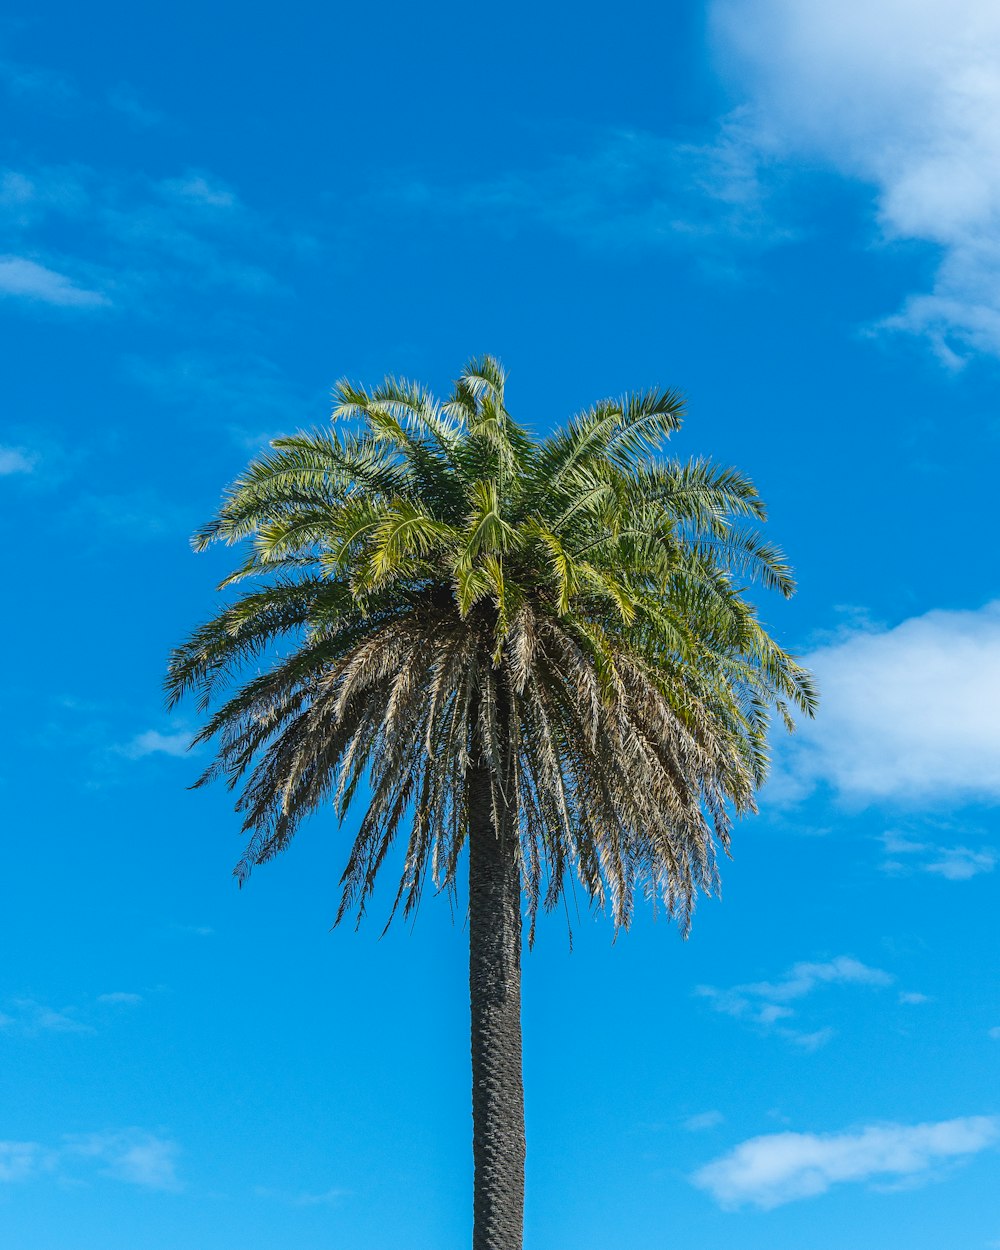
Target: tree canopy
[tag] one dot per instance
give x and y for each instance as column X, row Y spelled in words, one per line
column 427, row 581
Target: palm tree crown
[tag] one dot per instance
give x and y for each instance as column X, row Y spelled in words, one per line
column 434, row 589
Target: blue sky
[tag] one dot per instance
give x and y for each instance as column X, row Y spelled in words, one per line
column 792, row 212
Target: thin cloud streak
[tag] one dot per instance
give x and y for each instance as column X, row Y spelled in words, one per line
column 25, row 279
column 130, row 1155
column 133, row 1156
column 765, row 1004
column 31, row 1019
column 778, row 1168
column 153, row 742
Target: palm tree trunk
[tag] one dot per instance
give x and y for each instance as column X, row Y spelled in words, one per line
column 498, row 1145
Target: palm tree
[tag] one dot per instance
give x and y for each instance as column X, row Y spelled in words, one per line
column 538, row 648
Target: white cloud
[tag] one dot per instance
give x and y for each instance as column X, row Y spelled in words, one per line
column 995, row 1034
column 901, row 95
column 912, row 998
column 904, row 95
column 16, row 460
column 120, row 998
column 803, row 978
column 765, row 1004
column 152, row 742
column 959, row 863
column 25, row 279
column 907, row 714
column 771, row 1170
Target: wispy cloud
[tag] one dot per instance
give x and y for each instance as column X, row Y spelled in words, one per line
column 134, row 1156
column 104, row 742
column 959, row 863
column 627, row 189
column 19, row 1161
column 131, row 1155
column 326, row 1197
column 136, row 236
column 36, row 86
column 908, row 715
column 47, row 194
column 125, row 100
column 702, row 1121
column 257, row 398
column 133, row 517
column 918, row 124
column 35, row 83
column 153, row 742
column 194, row 930
column 766, row 1004
column 30, row 453
column 198, row 188
column 31, row 1019
column 26, row 279
column 954, row 863
column 777, row 1168
column 803, row 978
column 16, row 460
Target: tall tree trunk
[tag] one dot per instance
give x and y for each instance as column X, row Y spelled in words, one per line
column 498, row 1145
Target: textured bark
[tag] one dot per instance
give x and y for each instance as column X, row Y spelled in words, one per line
column 498, row 1145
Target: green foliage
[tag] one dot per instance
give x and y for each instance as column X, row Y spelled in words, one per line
column 570, row 609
